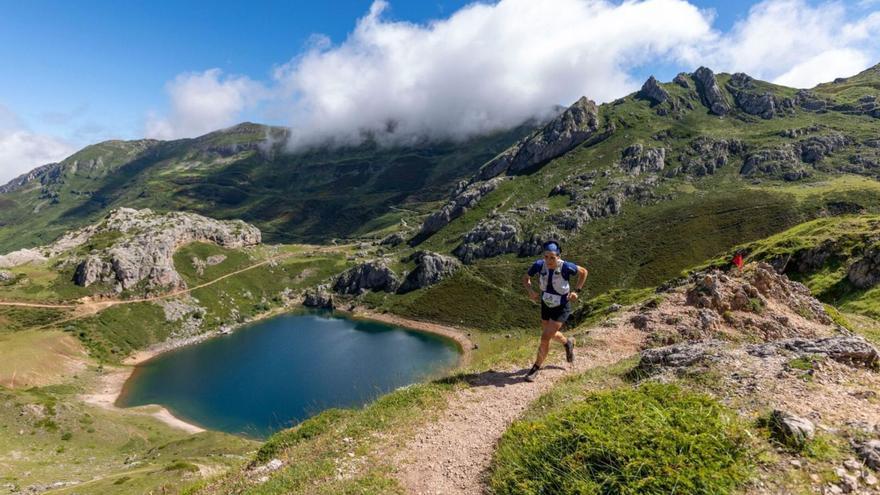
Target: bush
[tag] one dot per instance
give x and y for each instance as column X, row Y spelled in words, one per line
column 655, row 439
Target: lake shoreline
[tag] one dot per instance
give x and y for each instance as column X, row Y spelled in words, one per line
column 113, row 383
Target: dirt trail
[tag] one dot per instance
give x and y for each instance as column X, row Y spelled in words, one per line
column 452, row 455
column 87, row 306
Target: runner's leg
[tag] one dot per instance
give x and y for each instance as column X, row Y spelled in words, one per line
column 550, row 332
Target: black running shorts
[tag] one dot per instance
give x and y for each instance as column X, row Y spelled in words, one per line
column 559, row 313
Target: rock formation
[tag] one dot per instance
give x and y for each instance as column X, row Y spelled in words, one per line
column 575, row 125
column 143, row 255
column 462, row 199
column 430, row 269
column 372, row 275
column 710, row 93
column 653, row 91
column 865, row 273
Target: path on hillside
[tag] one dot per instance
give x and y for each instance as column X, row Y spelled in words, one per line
column 88, row 307
column 452, row 455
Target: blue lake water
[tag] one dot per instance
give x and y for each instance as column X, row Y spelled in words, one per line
column 277, row 372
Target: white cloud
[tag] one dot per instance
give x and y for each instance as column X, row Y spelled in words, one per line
column 22, row 150
column 493, row 65
column 485, row 67
column 795, row 43
column 202, row 102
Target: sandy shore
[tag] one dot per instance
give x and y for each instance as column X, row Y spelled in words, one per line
column 113, row 381
column 109, row 388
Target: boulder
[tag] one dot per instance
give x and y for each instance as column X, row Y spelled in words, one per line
column 430, row 269
column 869, row 452
column 850, row 350
column 748, row 100
column 653, row 91
column 710, row 94
column 814, row 149
column 865, row 273
column 575, row 125
column 318, row 297
column 788, row 429
column 372, row 275
column 6, row 276
column 678, row 355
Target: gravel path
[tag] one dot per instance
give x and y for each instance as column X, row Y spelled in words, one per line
column 451, row 456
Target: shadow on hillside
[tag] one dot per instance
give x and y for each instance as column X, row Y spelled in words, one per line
column 493, row 378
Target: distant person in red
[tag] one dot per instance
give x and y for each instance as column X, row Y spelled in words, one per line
column 738, row 260
column 556, row 296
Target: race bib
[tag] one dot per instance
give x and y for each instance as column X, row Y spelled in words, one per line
column 551, row 300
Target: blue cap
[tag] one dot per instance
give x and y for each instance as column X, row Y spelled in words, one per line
column 551, row 246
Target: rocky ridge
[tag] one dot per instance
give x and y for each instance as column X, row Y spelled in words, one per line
column 767, row 345
column 142, row 255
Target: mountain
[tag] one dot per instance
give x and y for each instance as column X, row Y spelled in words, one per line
column 241, row 172
column 643, row 187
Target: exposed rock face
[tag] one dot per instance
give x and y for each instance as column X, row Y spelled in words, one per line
column 604, row 205
column 808, row 100
column 653, row 91
column 144, row 253
column 463, row 198
column 814, row 149
column 318, row 297
column 776, row 163
column 865, row 273
column 636, row 159
column 706, row 155
column 42, row 175
column 749, row 101
column 575, row 125
column 854, row 351
column 720, row 292
column 392, row 240
column 677, row 355
column 791, row 430
column 21, row 257
column 682, row 80
column 372, row 275
column 490, row 237
column 430, row 269
column 710, row 93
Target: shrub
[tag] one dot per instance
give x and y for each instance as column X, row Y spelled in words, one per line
column 655, row 439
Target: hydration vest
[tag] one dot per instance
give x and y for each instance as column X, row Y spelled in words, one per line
column 558, row 283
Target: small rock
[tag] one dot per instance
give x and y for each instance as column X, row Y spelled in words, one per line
column 852, row 465
column 791, row 430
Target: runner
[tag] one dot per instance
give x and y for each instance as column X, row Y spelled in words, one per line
column 555, row 300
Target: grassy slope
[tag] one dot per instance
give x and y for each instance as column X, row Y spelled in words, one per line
column 312, row 195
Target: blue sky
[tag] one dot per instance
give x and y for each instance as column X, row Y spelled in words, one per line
column 78, row 72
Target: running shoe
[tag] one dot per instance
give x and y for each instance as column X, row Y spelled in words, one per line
column 532, row 374
column 569, row 350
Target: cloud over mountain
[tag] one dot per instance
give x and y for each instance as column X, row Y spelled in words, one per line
column 22, row 150
column 493, row 65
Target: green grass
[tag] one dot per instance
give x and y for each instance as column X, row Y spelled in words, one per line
column 654, row 439
column 335, row 437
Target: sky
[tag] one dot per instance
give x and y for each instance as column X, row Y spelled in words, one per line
column 75, row 73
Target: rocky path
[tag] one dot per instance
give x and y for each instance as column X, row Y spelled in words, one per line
column 452, row 455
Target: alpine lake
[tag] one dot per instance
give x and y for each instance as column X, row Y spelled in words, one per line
column 277, row 372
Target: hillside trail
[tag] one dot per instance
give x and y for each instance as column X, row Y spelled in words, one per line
column 452, row 454
column 87, row 306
